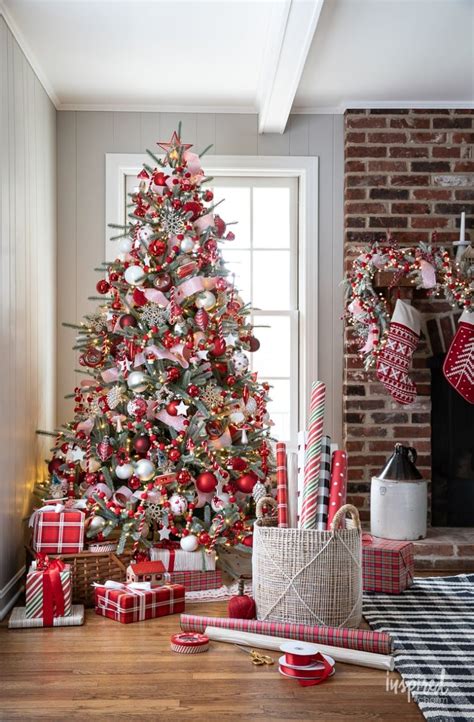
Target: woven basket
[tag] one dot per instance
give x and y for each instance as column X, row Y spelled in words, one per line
column 89, row 567
column 308, row 577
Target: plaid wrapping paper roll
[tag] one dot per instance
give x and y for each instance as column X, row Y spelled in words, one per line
column 324, row 483
column 35, row 590
column 58, row 532
column 387, row 565
column 282, row 484
column 177, row 560
column 136, row 605
column 195, row 581
column 360, row 639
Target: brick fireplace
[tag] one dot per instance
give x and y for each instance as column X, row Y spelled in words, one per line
column 410, row 171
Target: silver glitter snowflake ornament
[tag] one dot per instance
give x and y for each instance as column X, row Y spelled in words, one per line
column 172, row 221
column 115, row 396
column 154, row 315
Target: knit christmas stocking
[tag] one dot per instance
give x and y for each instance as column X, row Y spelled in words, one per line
column 395, row 358
column 458, row 366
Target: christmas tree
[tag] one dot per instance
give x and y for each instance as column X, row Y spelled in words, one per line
column 170, row 437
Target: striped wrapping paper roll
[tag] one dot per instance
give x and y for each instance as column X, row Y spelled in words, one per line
column 282, row 484
column 313, row 456
column 360, row 639
column 324, row 484
column 338, row 488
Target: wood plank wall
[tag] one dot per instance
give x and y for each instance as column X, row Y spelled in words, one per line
column 27, row 295
column 83, row 140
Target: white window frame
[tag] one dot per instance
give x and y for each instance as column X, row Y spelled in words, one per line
column 120, row 165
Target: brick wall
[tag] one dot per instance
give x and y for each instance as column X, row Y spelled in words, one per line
column 410, row 171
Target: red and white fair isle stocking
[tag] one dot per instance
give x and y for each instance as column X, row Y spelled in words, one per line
column 458, row 366
column 395, row 358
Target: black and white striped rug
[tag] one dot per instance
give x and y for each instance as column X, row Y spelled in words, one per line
column 432, row 627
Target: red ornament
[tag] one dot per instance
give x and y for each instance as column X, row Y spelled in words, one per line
column 246, row 482
column 163, row 282
column 254, row 343
column 193, row 390
column 206, row 482
column 159, row 178
column 204, row 538
column 171, row 407
column 104, row 449
column 194, row 208
column 134, row 483
column 174, row 455
column 141, row 444
column 103, row 287
column 128, row 321
column 248, row 540
column 157, row 248
column 54, row 466
column 238, row 464
column 172, row 374
column 139, row 297
column 202, row 319
column 184, row 477
column 218, row 347
column 242, row 606
column 208, row 196
column 92, row 358
column 213, row 429
column 90, row 478
column 219, row 225
column 230, row 380
column 221, row 366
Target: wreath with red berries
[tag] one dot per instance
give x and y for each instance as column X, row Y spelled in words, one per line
column 429, row 268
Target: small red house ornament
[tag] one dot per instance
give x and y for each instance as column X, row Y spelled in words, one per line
column 147, row 571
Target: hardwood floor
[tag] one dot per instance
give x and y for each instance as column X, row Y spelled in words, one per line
column 110, row 671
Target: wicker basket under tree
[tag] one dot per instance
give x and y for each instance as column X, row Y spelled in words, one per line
column 307, row 576
column 90, row 567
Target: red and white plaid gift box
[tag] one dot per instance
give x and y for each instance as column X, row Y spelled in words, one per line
column 137, row 602
column 54, row 581
column 58, row 532
column 196, row 581
column 176, row 559
column 387, row 565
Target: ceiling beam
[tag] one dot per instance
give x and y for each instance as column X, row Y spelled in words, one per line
column 290, row 34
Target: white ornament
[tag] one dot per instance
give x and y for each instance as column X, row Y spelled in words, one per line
column 230, row 339
column 187, row 245
column 137, row 381
column 145, row 469
column 96, row 524
column 144, row 234
column 189, row 543
column 134, row 275
column 125, row 245
column 182, row 409
column 240, row 361
column 164, row 533
column 124, row 472
column 219, row 502
column 237, row 417
column 178, row 504
column 251, row 406
column 205, row 300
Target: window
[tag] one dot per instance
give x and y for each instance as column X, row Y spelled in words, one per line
column 272, row 202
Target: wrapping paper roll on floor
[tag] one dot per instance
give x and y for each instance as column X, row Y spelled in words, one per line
column 358, row 639
column 263, row 641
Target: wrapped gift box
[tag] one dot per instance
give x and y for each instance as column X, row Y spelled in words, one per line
column 128, row 603
column 19, row 619
column 48, row 591
column 196, row 581
column 58, row 532
column 387, row 565
column 177, row 560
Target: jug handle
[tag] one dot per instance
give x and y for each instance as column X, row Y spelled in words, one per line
column 412, row 454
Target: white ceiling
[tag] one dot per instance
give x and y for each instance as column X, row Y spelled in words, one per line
column 266, row 56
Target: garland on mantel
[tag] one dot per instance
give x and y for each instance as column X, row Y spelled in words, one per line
column 429, row 268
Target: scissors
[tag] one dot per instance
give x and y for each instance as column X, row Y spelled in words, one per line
column 258, row 658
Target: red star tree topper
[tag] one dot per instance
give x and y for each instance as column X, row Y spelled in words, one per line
column 171, row 434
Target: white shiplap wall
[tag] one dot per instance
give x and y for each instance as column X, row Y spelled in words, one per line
column 83, row 140
column 27, row 295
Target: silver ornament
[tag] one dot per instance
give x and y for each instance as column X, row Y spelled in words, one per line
column 145, row 469
column 259, row 491
column 187, row 245
column 137, row 381
column 96, row 524
column 205, row 300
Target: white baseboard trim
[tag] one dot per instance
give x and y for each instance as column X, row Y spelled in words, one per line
column 6, row 591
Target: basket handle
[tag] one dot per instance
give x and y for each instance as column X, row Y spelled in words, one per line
column 340, row 514
column 265, row 500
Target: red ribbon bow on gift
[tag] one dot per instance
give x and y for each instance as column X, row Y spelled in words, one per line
column 53, row 593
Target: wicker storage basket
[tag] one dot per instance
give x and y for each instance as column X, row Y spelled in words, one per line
column 308, row 577
column 89, row 567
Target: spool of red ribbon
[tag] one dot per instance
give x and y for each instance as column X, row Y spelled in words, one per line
column 305, row 663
